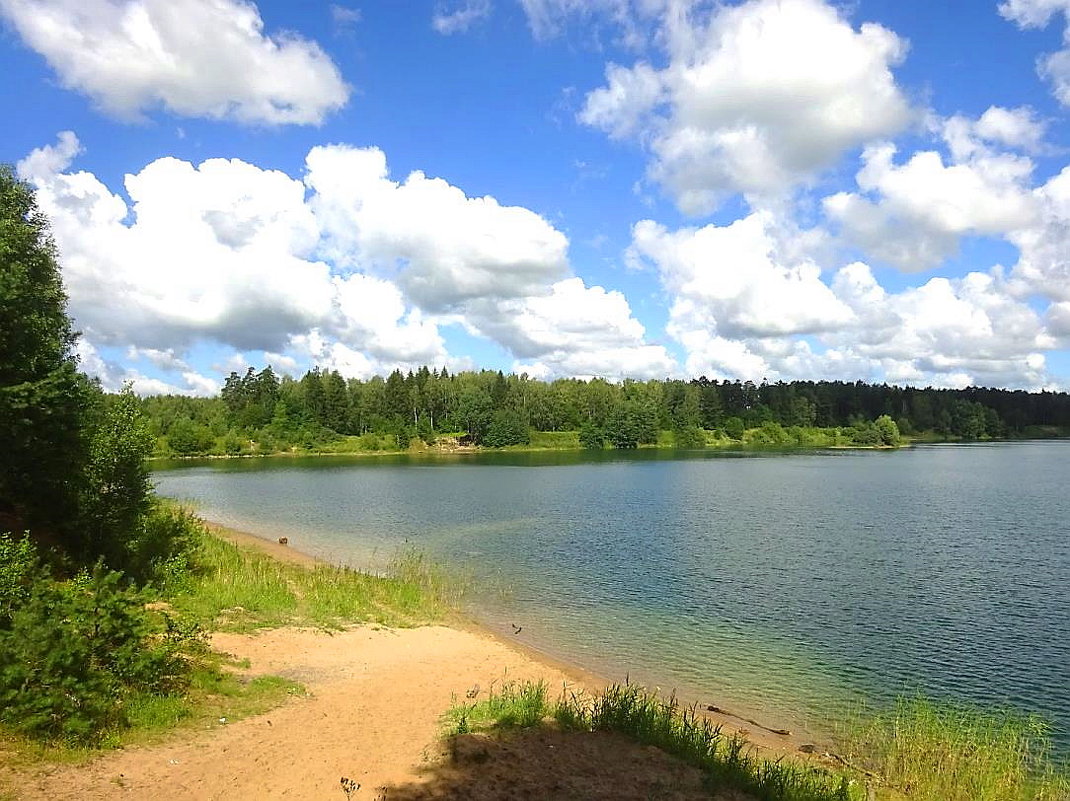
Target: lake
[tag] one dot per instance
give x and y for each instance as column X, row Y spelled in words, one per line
column 785, row 585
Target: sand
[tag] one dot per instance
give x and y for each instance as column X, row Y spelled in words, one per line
column 372, row 717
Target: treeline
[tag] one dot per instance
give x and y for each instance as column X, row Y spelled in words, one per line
column 261, row 411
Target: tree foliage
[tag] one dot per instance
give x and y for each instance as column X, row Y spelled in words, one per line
column 44, row 400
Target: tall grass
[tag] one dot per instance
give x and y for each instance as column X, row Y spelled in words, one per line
column 236, row 588
column 944, row 751
column 727, row 761
column 513, row 705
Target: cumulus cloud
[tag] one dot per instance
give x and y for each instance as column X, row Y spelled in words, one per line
column 754, row 99
column 113, row 376
column 1043, row 265
column 194, row 58
column 359, row 275
column 458, row 17
column 445, row 248
column 741, row 280
column 1053, row 67
column 217, row 251
column 912, row 215
column 572, row 330
column 748, row 302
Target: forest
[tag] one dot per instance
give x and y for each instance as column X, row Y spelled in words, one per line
column 262, row 412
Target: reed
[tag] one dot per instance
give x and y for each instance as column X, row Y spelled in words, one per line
column 946, row 751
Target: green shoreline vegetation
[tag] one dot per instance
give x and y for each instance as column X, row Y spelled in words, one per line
column 107, row 592
column 261, row 413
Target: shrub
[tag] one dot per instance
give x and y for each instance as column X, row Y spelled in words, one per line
column 508, row 427
column 592, row 437
column 18, row 570
column 689, row 437
column 73, row 653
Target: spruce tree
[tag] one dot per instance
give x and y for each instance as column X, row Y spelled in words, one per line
column 44, row 400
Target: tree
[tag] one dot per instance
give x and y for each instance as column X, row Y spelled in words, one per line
column 507, row 427
column 119, row 490
column 888, row 430
column 44, row 400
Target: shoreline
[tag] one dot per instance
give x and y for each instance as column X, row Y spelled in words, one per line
column 766, row 738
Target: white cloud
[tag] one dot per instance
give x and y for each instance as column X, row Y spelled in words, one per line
column 754, row 100
column 216, row 251
column 1058, row 320
column 114, row 376
column 630, row 18
column 748, row 301
column 741, row 280
column 1054, row 67
column 194, row 58
column 1044, row 247
column 969, row 326
column 163, row 359
column 444, row 247
column 912, row 215
column 458, row 17
column 358, row 276
column 572, row 330
column 372, row 315
column 345, row 17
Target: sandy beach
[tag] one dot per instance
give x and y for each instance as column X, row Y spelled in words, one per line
column 372, row 716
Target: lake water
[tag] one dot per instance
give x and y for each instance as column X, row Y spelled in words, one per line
column 785, row 585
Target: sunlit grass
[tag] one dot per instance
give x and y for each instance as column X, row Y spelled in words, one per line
column 236, row 588
column 643, row 716
column 945, row 751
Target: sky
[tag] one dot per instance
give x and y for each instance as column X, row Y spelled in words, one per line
column 874, row 190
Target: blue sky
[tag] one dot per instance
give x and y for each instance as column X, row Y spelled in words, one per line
column 770, row 189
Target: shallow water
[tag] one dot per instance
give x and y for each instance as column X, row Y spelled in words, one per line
column 789, row 584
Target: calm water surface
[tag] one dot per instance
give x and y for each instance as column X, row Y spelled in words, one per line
column 784, row 584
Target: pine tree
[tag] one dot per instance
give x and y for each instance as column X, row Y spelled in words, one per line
column 44, row 400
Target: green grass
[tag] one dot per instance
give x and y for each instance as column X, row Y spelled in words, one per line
column 646, row 718
column 234, row 588
column 513, row 705
column 553, row 440
column 217, row 696
column 929, row 751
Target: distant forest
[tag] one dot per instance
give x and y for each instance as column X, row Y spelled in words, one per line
column 263, row 412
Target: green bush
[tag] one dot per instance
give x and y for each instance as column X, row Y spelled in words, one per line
column 689, row 437
column 18, row 570
column 73, row 653
column 592, row 437
column 508, row 427
column 71, row 657
column 158, row 551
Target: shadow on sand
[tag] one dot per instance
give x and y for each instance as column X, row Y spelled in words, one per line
column 544, row 763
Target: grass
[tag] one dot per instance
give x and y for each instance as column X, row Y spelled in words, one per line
column 513, row 705
column 643, row 716
column 929, row 751
column 237, row 589
column 920, row 750
column 217, row 696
